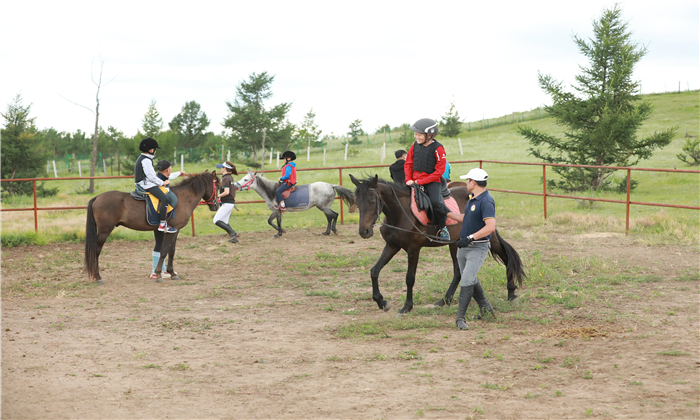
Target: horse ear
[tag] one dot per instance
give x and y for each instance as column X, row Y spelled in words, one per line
column 354, row 180
column 213, row 175
column 373, row 183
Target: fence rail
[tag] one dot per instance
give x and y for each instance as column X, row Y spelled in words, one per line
column 544, row 194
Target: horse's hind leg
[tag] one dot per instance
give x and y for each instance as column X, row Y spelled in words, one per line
column 447, row 299
column 331, row 217
column 498, row 249
column 171, row 256
column 278, row 226
column 101, row 239
column 387, row 254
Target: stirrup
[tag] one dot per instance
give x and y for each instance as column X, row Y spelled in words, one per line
column 443, row 234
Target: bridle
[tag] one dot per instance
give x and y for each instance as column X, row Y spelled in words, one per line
column 246, row 186
column 212, row 198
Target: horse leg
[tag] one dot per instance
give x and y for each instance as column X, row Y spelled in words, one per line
column 410, row 280
column 276, row 227
column 171, row 256
column 387, row 254
column 101, row 239
column 167, row 247
column 331, row 217
column 447, row 299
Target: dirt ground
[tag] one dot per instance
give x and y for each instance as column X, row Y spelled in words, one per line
column 264, row 329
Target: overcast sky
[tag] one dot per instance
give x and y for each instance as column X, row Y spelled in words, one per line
column 380, row 62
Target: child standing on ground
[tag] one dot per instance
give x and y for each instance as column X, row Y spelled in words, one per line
column 165, row 172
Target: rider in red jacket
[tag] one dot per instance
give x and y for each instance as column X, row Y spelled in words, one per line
column 425, row 165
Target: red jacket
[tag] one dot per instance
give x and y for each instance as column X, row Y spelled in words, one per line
column 422, row 178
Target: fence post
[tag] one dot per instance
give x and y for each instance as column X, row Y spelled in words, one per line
column 182, row 162
column 340, row 172
column 193, row 221
column 324, row 156
column 627, row 217
column 104, row 167
column 36, row 220
column 544, row 189
column 461, row 152
column 80, row 170
column 278, row 159
column 271, row 150
column 346, row 151
column 470, row 126
column 55, row 174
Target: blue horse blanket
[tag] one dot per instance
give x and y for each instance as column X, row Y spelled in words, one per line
column 299, row 198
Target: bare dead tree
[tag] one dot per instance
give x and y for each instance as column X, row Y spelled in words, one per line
column 96, row 112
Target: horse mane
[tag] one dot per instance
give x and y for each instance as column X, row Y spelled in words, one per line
column 198, row 182
column 363, row 188
column 267, row 185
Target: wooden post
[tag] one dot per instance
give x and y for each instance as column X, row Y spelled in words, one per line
column 182, row 163
column 627, row 217
column 271, row 156
column 461, row 152
column 346, row 150
column 55, row 174
column 324, row 156
column 36, row 220
column 262, row 166
column 544, row 189
column 80, row 170
column 278, row 159
column 308, row 153
column 104, row 167
column 228, row 155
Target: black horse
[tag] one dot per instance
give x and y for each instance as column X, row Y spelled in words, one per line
column 401, row 230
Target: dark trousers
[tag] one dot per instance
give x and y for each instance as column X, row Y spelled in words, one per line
column 282, row 188
column 163, row 204
column 439, row 209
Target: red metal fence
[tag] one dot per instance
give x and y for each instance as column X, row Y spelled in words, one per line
column 544, row 194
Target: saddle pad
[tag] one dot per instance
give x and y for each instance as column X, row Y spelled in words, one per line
column 152, row 216
column 422, row 216
column 286, row 193
column 299, row 198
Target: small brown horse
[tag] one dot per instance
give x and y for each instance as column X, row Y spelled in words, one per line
column 401, row 230
column 114, row 208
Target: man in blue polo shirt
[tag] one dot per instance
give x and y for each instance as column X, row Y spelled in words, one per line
column 478, row 223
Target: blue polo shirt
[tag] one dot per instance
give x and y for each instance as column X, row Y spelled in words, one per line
column 477, row 209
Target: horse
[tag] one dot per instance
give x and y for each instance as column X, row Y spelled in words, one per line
column 321, row 195
column 401, row 230
column 115, row 208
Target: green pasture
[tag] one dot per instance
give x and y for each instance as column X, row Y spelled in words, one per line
column 498, row 142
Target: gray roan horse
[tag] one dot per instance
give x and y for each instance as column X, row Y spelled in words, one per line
column 115, row 208
column 401, row 230
column 321, row 195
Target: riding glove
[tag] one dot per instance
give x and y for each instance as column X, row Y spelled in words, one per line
column 465, row 242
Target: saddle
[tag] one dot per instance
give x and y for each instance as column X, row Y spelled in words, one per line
column 287, row 193
column 422, row 207
column 152, row 216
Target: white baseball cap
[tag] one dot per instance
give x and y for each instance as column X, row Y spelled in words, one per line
column 476, row 174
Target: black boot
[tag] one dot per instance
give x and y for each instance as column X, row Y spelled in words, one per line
column 484, row 305
column 233, row 236
column 465, row 295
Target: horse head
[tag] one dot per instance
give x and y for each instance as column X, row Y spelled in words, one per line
column 369, row 203
column 247, row 181
column 212, row 187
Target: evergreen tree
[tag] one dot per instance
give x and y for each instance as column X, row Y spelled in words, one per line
column 191, row 124
column 23, row 155
column 248, row 116
column 309, row 129
column 451, row 124
column 602, row 118
column 355, row 132
column 152, row 123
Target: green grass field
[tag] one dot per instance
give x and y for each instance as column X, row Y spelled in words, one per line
column 500, row 142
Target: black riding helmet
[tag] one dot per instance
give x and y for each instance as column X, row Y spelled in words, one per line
column 426, row 126
column 148, row 144
column 289, row 154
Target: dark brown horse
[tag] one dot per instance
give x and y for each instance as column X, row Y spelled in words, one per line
column 115, row 208
column 401, row 230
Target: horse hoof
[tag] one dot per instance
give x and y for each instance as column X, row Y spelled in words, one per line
column 512, row 297
column 439, row 304
column 159, row 280
column 175, row 278
column 325, row 234
column 386, row 307
column 99, row 282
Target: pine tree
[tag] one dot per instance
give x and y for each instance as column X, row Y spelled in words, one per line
column 152, row 123
column 355, row 132
column 191, row 124
column 603, row 115
column 451, row 124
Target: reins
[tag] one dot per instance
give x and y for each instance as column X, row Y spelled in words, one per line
column 212, row 199
column 431, row 238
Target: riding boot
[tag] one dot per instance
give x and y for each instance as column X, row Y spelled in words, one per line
column 465, row 295
column 484, row 305
column 156, row 257
column 233, row 236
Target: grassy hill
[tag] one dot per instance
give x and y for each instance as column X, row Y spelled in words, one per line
column 498, row 142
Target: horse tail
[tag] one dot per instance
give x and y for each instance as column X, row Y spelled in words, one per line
column 91, row 263
column 345, row 194
column 514, row 265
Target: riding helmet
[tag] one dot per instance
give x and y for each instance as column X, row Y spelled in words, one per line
column 425, row 126
column 148, row 144
column 289, row 154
